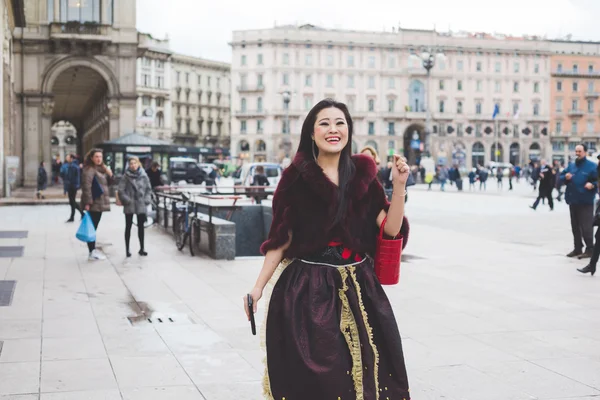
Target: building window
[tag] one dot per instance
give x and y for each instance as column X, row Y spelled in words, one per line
column 478, row 129
column 558, row 127
column 591, row 106
column 259, row 104
column 259, row 59
column 371, row 130
column 329, row 80
column 459, row 107
column 391, row 62
column 330, row 60
column 259, row 126
column 559, row 86
column 178, row 76
column 536, row 68
column 590, row 126
column 259, row 80
column 516, row 87
column 286, row 59
column 351, row 61
column 82, row 11
column 478, row 108
column 187, row 77
column 160, row 102
column 243, row 60
column 391, row 128
column 591, row 86
column 459, row 65
column 146, row 62
column 574, row 105
column 243, row 81
column 146, row 80
column 441, row 85
column 199, row 79
column 575, row 68
column 498, row 87
column 559, row 68
column 442, row 106
column 351, row 81
column 308, row 59
column 536, row 109
column 459, row 86
column 160, row 82
column 371, row 105
column 391, row 105
column 515, row 110
column 145, row 100
column 478, row 67
column 478, row 86
column 243, row 104
column 559, row 105
column 371, row 82
column 243, row 127
column 498, row 66
column 536, row 87
column 517, row 67
column 308, row 81
column 178, row 126
column 575, row 86
column 391, row 83
column 286, row 79
column 574, row 127
column 308, row 102
column 371, row 61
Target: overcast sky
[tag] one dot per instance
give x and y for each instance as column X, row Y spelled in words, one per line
column 203, row 27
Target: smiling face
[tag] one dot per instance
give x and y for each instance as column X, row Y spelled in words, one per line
column 331, row 131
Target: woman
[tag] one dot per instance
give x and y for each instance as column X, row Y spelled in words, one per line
column 94, row 193
column 330, row 330
column 42, row 181
column 259, row 179
column 371, row 152
column 134, row 194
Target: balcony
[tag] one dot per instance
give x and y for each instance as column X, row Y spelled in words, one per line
column 573, row 73
column 82, row 31
column 443, row 116
column 251, row 88
column 392, row 114
column 592, row 95
column 576, row 113
column 250, row 113
column 412, row 115
column 536, row 118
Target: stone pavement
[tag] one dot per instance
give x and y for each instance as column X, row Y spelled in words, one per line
column 488, row 306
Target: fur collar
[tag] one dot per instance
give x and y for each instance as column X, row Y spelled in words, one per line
column 313, row 175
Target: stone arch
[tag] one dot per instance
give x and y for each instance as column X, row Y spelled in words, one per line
column 413, row 142
column 477, row 154
column 55, row 69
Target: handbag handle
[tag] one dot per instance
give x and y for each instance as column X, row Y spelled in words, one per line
column 382, row 227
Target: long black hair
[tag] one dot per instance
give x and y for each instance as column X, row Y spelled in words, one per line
column 346, row 168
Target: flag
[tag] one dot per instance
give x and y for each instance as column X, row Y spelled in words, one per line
column 496, row 111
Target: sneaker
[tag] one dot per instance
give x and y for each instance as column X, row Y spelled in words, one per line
column 96, row 255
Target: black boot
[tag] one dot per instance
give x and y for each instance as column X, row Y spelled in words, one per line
column 142, row 253
column 574, row 253
column 588, row 268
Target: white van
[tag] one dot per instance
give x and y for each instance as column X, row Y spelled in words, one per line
column 273, row 171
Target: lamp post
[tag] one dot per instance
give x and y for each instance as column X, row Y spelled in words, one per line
column 286, row 142
column 428, row 59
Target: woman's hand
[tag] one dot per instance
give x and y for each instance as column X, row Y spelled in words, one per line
column 400, row 170
column 256, row 294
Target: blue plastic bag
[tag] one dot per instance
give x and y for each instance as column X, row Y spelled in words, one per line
column 86, row 232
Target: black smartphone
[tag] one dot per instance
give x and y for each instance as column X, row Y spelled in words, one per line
column 251, row 311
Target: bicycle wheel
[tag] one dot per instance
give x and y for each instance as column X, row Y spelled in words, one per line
column 180, row 233
column 194, row 237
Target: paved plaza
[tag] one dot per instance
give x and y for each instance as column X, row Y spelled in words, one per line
column 488, row 306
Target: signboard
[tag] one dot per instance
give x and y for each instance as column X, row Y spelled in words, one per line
column 138, row 149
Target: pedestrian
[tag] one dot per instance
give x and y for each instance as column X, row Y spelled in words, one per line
column 499, row 176
column 547, row 178
column 535, row 175
column 56, row 166
column 581, row 180
column 443, row 177
column 259, row 179
column 42, row 181
column 371, row 152
column 330, row 330
column 558, row 184
column 591, row 267
column 94, row 193
column 154, row 174
column 134, row 194
column 72, row 182
column 483, row 174
column 511, row 173
column 518, row 173
column 472, row 178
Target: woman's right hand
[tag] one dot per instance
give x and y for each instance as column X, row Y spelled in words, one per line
column 256, row 294
column 87, row 207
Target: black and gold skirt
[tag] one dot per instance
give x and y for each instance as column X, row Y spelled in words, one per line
column 331, row 333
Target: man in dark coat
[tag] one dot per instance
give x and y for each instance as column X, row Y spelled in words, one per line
column 72, row 183
column 154, row 173
column 547, row 178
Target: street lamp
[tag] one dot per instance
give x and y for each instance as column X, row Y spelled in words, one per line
column 428, row 58
column 286, row 142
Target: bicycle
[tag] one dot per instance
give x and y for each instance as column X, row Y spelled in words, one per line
column 186, row 226
column 151, row 211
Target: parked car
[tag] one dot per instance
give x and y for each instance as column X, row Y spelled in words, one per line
column 186, row 169
column 243, row 176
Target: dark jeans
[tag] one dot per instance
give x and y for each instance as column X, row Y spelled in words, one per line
column 74, row 206
column 96, row 216
column 544, row 195
column 596, row 252
column 582, row 224
column 141, row 218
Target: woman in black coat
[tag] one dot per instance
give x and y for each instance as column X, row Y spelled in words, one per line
column 42, row 181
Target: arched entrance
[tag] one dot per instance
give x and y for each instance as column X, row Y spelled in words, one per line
column 260, row 151
column 477, row 154
column 63, row 140
column 515, row 154
column 535, row 151
column 414, row 137
column 496, row 152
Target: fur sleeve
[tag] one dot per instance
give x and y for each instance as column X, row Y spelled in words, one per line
column 380, row 202
column 282, row 222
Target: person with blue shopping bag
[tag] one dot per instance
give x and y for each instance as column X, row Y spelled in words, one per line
column 94, row 193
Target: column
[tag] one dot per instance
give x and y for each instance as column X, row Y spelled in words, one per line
column 56, row 10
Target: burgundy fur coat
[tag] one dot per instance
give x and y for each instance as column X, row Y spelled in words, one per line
column 305, row 203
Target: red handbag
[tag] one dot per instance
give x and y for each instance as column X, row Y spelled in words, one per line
column 387, row 258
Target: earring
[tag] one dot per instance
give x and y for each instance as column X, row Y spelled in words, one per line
column 313, row 149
